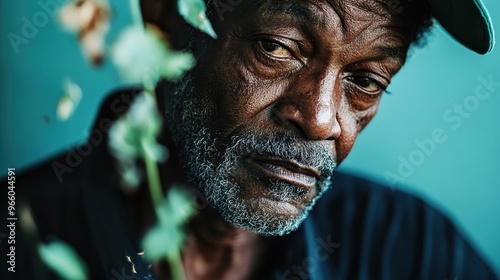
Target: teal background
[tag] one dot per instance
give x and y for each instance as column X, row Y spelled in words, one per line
column 461, row 176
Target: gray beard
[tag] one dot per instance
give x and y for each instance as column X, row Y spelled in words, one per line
column 209, row 168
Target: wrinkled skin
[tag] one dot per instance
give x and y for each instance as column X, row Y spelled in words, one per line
column 307, row 70
column 310, row 71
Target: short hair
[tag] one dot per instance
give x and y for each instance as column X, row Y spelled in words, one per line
column 418, row 18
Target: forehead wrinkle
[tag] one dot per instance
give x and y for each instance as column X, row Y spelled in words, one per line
column 370, row 8
column 371, row 11
column 319, row 12
column 364, row 17
column 312, row 14
column 294, row 9
column 381, row 45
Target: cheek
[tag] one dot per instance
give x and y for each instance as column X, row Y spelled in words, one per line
column 352, row 123
column 221, row 86
column 238, row 96
column 363, row 118
column 344, row 144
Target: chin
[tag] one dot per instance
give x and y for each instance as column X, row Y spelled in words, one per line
column 277, row 198
column 274, row 208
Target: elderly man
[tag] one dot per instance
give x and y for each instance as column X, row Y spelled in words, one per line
column 258, row 127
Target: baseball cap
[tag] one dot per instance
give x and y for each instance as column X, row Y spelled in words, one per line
column 467, row 21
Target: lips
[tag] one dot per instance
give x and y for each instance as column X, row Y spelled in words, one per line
column 287, row 170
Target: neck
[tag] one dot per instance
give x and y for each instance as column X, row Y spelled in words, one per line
column 209, row 228
column 218, row 250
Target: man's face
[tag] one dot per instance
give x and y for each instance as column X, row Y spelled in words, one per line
column 277, row 101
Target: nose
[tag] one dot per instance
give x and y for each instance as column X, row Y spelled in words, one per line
column 310, row 106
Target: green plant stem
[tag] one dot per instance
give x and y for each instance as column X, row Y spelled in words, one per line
column 176, row 267
column 154, row 186
column 158, row 199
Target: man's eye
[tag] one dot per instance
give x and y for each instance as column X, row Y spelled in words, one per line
column 275, row 49
column 367, row 84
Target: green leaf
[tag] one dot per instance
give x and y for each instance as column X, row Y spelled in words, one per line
column 130, row 173
column 153, row 150
column 62, row 259
column 163, row 241
column 175, row 65
column 142, row 56
column 123, row 141
column 134, row 136
column 180, row 204
column 193, row 11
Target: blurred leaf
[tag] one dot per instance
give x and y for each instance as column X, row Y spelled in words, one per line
column 193, row 11
column 93, row 45
column 78, row 15
column 62, row 259
column 69, row 100
column 142, row 54
column 163, row 241
column 135, row 11
column 123, row 140
column 152, row 150
column 27, row 222
column 166, row 238
column 180, row 203
column 177, row 64
column 131, row 175
column 89, row 19
column 134, row 136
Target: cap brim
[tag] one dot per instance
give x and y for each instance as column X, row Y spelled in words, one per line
column 467, row 21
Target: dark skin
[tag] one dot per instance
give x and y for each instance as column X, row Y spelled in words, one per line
column 315, row 68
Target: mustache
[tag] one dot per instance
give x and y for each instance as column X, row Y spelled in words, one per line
column 287, row 146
